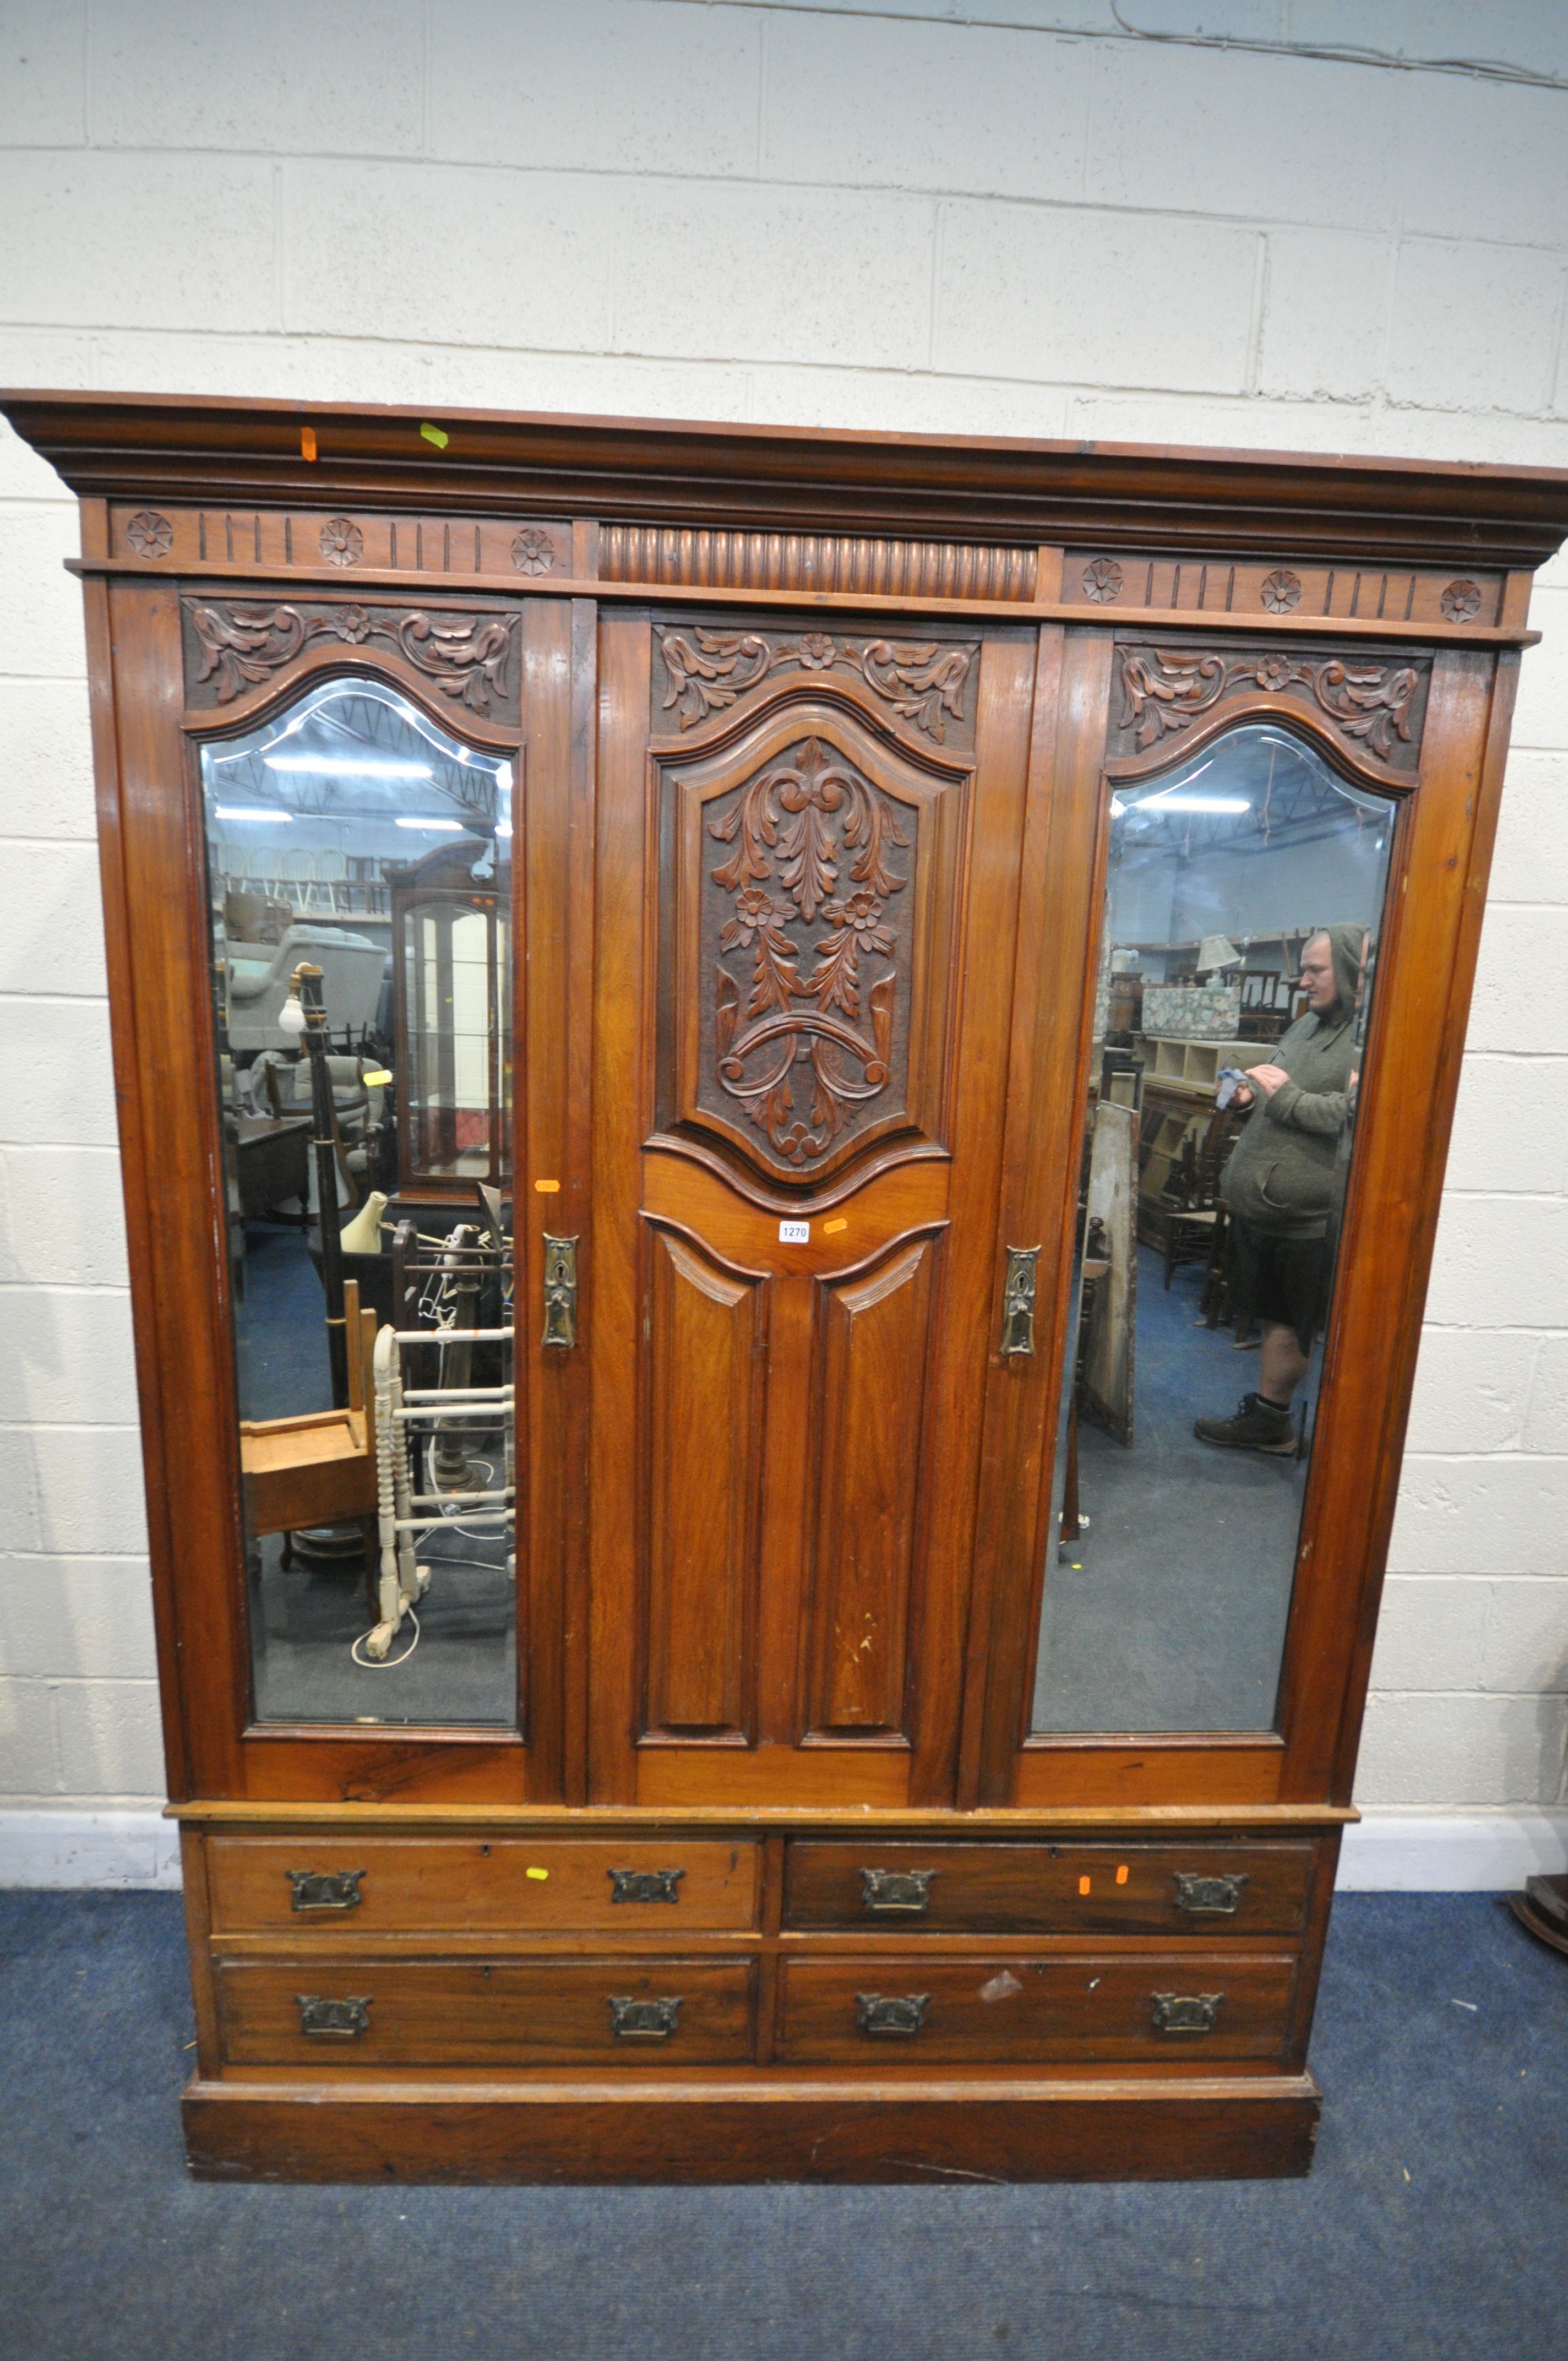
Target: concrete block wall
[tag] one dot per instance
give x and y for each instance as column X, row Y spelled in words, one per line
column 854, row 214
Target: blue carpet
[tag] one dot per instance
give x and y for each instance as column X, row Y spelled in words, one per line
column 1432, row 2227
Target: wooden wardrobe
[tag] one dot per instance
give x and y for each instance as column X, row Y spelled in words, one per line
column 754, row 1854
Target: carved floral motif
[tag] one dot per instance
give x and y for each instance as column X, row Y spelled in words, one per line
column 1461, row 601
column 1281, row 590
column 532, row 552
column 1102, row 581
column 1165, row 691
column 149, row 534
column 708, row 670
column 341, row 542
column 467, row 657
column 801, row 1053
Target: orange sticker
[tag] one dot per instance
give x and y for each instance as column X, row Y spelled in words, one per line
column 548, row 1188
column 1122, row 1874
column 1084, row 1885
column 307, row 442
column 828, row 1227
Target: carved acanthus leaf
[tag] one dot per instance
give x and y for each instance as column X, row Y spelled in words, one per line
column 469, row 657
column 1165, row 691
column 706, row 670
column 793, row 827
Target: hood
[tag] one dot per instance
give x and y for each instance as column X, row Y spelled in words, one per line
column 1349, row 943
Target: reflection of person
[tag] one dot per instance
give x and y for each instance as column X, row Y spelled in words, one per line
column 1280, row 1188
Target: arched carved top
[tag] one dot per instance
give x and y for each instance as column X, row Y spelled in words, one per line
column 237, row 645
column 1369, row 708
column 925, row 685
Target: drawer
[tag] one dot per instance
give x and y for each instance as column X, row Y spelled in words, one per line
column 485, row 2013
column 1048, row 1889
column 502, row 1885
column 1042, row 2011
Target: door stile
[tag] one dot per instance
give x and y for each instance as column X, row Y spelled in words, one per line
column 970, row 1308
column 553, row 867
column 621, row 982
column 1063, row 883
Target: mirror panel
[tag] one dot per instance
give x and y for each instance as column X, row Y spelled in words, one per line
column 359, row 874
column 1244, row 903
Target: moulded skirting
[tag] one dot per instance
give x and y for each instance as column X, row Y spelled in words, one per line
column 782, row 2128
column 1395, row 1852
column 1451, row 1853
column 134, row 1851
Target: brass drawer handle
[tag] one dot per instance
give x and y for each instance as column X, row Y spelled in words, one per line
column 644, row 2020
column 1018, row 1300
column 1184, row 2013
column 899, row 2018
column 325, row 1889
column 644, row 1885
column 895, row 1892
column 332, row 2020
column 560, row 1291
column 1209, row 1897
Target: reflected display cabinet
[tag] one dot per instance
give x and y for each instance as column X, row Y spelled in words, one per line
column 731, row 1048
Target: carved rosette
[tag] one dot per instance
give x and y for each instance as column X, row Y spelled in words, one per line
column 922, row 681
column 532, row 552
column 232, row 646
column 341, row 542
column 1281, row 590
column 149, row 534
column 1375, row 705
column 809, row 945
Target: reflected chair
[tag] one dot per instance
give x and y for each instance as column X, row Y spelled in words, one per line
column 318, row 1469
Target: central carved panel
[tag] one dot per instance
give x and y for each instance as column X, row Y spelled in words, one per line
column 811, row 975
column 808, row 942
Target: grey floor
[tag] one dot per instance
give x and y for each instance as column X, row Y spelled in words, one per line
column 1170, row 1613
column 1432, row 2227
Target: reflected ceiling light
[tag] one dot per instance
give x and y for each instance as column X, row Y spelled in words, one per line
column 453, row 826
column 1165, row 803
column 348, row 766
column 249, row 811
column 503, row 828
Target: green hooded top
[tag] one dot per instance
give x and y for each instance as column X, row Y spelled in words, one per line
column 1281, row 1174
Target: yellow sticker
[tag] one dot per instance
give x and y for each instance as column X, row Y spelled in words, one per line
column 536, row 1872
column 377, row 1080
column 434, row 434
column 828, row 1227
column 548, row 1188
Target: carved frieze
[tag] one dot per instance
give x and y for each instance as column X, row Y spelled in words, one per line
column 922, row 682
column 1375, row 704
column 234, row 644
column 1303, row 591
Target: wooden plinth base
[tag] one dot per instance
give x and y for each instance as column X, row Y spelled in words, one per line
column 821, row 2130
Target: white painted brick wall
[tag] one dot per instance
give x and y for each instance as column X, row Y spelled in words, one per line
column 871, row 214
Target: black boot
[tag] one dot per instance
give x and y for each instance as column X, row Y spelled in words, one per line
column 1258, row 1425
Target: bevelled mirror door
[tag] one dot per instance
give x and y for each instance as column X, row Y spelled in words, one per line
column 359, row 874
column 1244, row 908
